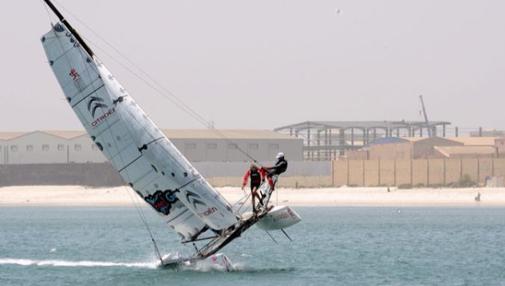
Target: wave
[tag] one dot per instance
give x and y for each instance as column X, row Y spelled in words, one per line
column 65, row 263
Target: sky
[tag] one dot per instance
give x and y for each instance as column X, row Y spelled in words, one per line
column 267, row 63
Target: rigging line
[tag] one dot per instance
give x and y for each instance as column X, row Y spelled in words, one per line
column 146, row 224
column 144, row 221
column 245, row 201
column 141, row 79
column 241, row 201
column 157, row 87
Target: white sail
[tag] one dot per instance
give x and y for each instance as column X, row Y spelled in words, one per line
column 140, row 152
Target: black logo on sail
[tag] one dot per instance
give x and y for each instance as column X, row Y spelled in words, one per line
column 94, row 104
column 194, row 199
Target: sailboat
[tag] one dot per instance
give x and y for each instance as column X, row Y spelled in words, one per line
column 144, row 157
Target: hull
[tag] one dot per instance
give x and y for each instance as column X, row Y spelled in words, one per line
column 278, row 218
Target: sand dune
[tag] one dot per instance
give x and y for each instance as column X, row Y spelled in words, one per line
column 121, row 196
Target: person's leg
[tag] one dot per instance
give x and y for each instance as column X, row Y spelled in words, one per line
column 271, row 182
column 260, row 199
column 253, row 195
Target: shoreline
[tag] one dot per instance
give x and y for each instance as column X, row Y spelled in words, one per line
column 78, row 196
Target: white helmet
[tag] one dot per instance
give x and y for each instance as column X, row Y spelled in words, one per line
column 279, row 155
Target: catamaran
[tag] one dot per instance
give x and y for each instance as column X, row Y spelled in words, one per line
column 145, row 158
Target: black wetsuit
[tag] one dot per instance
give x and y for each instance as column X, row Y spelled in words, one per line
column 280, row 167
column 255, row 179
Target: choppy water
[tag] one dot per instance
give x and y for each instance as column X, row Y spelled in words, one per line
column 333, row 246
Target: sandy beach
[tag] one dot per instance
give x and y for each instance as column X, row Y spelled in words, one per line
column 122, row 196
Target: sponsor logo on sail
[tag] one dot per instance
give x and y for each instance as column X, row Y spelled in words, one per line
column 209, row 211
column 162, row 201
column 96, row 103
column 194, row 199
column 74, row 74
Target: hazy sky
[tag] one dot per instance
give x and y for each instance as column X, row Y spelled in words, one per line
column 267, row 63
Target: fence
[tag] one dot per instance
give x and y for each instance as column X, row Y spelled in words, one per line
column 300, row 174
column 431, row 172
column 423, row 172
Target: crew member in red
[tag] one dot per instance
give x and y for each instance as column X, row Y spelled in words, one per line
column 257, row 176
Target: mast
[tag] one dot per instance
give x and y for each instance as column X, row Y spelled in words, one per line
column 70, row 28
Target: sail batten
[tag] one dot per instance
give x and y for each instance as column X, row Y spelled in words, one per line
column 133, row 144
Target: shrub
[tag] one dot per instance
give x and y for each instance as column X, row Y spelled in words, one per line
column 465, row 182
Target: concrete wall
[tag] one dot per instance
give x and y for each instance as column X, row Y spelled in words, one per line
column 453, row 171
column 95, row 175
column 485, row 169
column 340, row 172
column 237, row 169
column 387, row 173
column 421, row 172
column 436, row 172
column 299, row 174
column 500, row 146
column 355, row 173
column 284, row 182
column 371, row 172
column 403, row 172
column 2, row 152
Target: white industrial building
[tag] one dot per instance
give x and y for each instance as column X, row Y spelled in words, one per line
column 49, row 147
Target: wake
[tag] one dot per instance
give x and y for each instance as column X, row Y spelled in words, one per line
column 201, row 266
column 89, row 264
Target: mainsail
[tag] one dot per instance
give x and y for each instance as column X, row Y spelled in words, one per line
column 134, row 145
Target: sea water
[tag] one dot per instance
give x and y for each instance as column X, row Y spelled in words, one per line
column 331, row 246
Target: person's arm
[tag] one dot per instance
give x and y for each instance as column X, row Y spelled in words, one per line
column 266, row 169
column 246, row 178
column 263, row 174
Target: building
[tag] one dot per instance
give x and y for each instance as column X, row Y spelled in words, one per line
column 49, row 147
column 465, row 152
column 475, row 141
column 229, row 145
column 394, row 148
column 326, row 140
column 487, row 133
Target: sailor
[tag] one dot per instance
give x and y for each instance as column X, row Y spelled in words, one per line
column 280, row 167
column 257, row 176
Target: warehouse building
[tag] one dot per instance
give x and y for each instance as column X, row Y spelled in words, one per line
column 465, row 152
column 50, row 147
column 395, row 148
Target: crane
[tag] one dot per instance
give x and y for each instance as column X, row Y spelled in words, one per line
column 425, row 116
